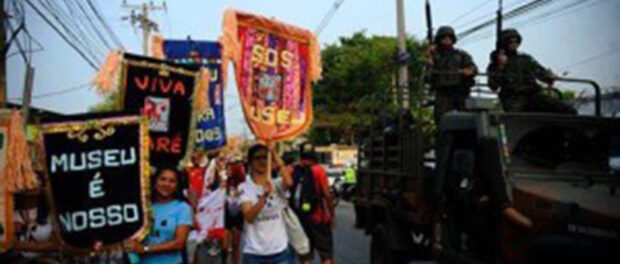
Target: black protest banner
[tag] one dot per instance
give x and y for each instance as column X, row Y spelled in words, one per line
column 98, row 174
column 163, row 92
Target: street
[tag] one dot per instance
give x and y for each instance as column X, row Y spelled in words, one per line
column 351, row 246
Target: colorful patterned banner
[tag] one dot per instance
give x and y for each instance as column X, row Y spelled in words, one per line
column 211, row 126
column 99, row 182
column 164, row 92
column 274, row 65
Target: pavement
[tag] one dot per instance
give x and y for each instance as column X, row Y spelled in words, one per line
column 351, row 246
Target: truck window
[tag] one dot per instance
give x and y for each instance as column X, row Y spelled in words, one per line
column 564, row 149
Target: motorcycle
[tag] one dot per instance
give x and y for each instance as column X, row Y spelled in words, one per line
column 342, row 190
column 335, row 191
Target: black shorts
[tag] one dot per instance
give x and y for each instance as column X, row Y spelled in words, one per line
column 321, row 239
column 233, row 221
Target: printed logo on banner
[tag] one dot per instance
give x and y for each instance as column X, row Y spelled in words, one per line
column 269, row 87
column 157, row 109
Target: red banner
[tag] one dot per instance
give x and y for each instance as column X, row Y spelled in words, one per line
column 275, row 65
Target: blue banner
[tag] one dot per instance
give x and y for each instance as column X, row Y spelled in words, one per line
column 211, row 127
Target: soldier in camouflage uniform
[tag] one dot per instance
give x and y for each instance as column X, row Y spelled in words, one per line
column 452, row 73
column 515, row 75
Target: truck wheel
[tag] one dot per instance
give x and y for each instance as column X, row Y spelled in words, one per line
column 449, row 239
column 380, row 252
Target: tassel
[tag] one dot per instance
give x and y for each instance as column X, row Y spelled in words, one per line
column 157, row 46
column 108, row 76
column 229, row 40
column 19, row 174
column 224, row 64
column 316, row 67
column 202, row 91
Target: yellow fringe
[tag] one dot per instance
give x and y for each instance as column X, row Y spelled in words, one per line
column 108, row 76
column 316, row 67
column 224, row 64
column 157, row 46
column 230, row 45
column 19, row 175
column 202, row 90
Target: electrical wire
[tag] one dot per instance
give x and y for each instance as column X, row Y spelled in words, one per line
column 105, row 24
column 545, row 17
column 75, row 20
column 328, row 17
column 591, row 59
column 62, row 35
column 56, row 93
column 519, row 11
column 486, row 15
column 16, row 39
column 468, row 12
column 97, row 31
column 87, row 49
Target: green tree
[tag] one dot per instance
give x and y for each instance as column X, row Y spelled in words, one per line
column 358, row 86
column 109, row 103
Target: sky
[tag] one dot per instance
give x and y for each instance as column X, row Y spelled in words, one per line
column 582, row 42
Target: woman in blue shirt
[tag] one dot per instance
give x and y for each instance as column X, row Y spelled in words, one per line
column 172, row 222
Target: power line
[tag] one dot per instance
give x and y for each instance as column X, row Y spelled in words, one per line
column 78, row 3
column 80, row 25
column 56, row 93
column 566, row 10
column 328, row 17
column 556, row 13
column 105, row 24
column 592, row 58
column 492, row 13
column 470, row 12
column 60, row 18
column 519, row 11
column 62, row 35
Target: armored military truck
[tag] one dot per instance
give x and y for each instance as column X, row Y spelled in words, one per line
column 497, row 188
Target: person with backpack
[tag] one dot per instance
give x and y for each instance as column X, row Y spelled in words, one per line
column 311, row 200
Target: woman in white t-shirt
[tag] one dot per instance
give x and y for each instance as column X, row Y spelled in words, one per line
column 264, row 232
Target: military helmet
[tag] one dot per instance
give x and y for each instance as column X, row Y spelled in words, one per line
column 445, row 31
column 508, row 34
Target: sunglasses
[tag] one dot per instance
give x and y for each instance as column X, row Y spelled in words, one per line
column 260, row 157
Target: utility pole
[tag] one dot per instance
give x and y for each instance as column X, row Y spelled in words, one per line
column 500, row 6
column 402, row 54
column 143, row 20
column 3, row 16
column 28, row 83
